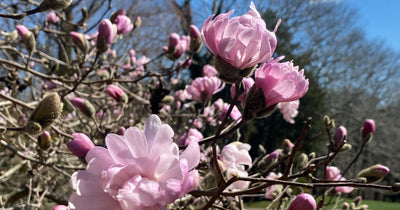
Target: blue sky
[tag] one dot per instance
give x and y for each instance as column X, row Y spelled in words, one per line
column 380, row 19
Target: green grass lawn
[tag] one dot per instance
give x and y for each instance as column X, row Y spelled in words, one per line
column 374, row 205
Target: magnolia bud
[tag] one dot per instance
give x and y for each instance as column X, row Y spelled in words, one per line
column 137, row 22
column 340, row 136
column 357, row 200
column 312, row 155
column 195, row 39
column 268, row 160
column 48, row 110
column 329, row 124
column 27, row 37
column 368, row 130
column 45, row 140
column 117, row 93
column 374, row 173
column 167, row 99
column 345, row 147
column 58, row 4
column 80, row 145
column 80, row 40
column 32, row 128
column 121, row 131
column 3, row 130
column 287, row 146
column 115, row 14
column 302, row 161
column 107, row 33
column 303, row 201
column 84, row 105
column 52, row 18
column 255, row 106
column 396, row 187
column 345, row 206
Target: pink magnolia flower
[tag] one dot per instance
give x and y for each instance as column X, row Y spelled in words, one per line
column 235, row 156
column 280, row 82
column 117, row 93
column 209, row 71
column 332, row 173
column 303, row 201
column 52, row 17
column 194, row 134
column 80, row 145
column 123, row 23
column 241, row 41
column 202, row 88
column 289, row 110
column 344, row 189
column 140, row 170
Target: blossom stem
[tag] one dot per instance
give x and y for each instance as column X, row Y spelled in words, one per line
column 233, row 103
column 354, row 160
column 296, row 147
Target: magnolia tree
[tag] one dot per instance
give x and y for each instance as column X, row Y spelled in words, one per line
column 111, row 131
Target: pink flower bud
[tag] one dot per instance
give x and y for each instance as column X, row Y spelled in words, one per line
column 194, row 32
column 23, row 32
column 52, row 17
column 45, row 140
column 374, row 173
column 121, row 130
column 195, row 39
column 123, row 23
column 368, row 130
column 117, row 93
column 340, row 135
column 173, row 42
column 80, row 145
column 60, row 207
column 107, row 33
column 80, row 40
column 303, row 201
column 27, row 37
column 84, row 105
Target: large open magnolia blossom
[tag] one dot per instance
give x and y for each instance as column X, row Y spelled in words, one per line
column 139, row 170
column 242, row 41
column 280, row 82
